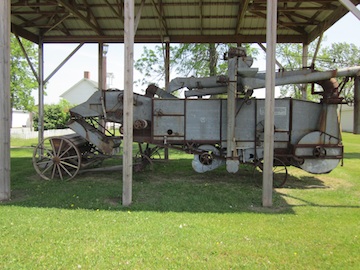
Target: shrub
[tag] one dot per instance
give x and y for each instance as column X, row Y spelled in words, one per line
column 55, row 116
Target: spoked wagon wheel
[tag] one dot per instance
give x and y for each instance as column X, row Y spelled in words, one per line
column 56, row 158
column 141, row 161
column 280, row 173
column 146, row 157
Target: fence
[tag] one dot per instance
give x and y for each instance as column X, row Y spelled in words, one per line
column 26, row 133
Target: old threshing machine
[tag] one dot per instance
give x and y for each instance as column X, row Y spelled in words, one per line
column 217, row 131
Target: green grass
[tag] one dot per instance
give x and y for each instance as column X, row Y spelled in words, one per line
column 181, row 220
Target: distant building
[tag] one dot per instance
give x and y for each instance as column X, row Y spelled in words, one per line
column 347, row 117
column 21, row 119
column 81, row 91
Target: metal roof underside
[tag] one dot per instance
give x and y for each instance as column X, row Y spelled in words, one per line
column 180, row 21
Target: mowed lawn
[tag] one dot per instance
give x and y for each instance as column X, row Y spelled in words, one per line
column 180, row 219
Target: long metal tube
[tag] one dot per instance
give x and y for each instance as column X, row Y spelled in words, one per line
column 318, row 76
column 299, row 76
column 258, row 81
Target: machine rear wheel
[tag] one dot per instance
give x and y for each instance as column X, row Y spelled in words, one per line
column 280, row 173
column 320, row 152
column 56, row 158
column 206, row 160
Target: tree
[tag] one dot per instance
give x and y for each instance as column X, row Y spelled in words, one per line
column 198, row 60
column 56, row 116
column 340, row 55
column 22, row 81
column 334, row 56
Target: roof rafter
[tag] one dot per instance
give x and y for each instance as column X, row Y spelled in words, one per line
column 243, row 6
column 325, row 24
column 75, row 11
column 160, row 12
column 120, row 12
column 201, row 16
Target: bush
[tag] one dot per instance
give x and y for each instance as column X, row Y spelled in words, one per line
column 55, row 116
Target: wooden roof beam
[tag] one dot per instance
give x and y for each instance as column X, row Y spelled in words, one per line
column 351, row 7
column 24, row 33
column 75, row 11
column 160, row 12
column 296, row 8
column 201, row 16
column 284, row 24
column 243, row 7
column 59, row 21
column 120, row 12
column 90, row 15
column 321, row 27
column 176, row 39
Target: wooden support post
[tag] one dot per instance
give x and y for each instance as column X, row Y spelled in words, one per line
column 5, row 110
column 100, row 66
column 167, row 80
column 356, row 129
column 305, row 53
column 102, row 81
column 232, row 162
column 41, row 92
column 129, row 7
column 271, row 19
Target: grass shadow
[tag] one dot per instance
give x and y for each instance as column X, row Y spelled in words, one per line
column 170, row 186
column 305, row 203
column 352, row 155
column 304, row 182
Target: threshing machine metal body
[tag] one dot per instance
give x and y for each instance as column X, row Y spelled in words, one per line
column 307, row 134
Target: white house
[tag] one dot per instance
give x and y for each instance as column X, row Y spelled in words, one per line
column 347, row 117
column 81, row 91
column 20, row 119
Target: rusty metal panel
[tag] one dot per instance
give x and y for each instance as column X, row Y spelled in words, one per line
column 203, row 120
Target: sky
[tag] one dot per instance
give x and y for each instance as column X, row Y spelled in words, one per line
column 86, row 59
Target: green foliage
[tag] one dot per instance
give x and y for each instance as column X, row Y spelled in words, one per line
column 194, row 59
column 339, row 55
column 22, row 81
column 198, row 60
column 335, row 56
column 55, row 116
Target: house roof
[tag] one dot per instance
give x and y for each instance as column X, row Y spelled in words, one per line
column 83, row 80
column 179, row 21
